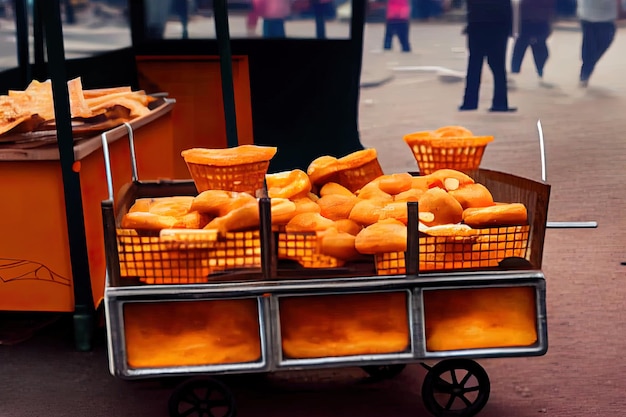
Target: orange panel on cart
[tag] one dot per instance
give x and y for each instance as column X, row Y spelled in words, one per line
column 344, row 325
column 192, row 333
column 475, row 318
column 195, row 83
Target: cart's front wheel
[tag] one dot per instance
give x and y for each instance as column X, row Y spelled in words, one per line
column 384, row 371
column 455, row 388
column 202, row 397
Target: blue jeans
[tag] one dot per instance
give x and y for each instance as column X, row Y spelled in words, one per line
column 597, row 37
column 273, row 28
column 489, row 42
column 533, row 34
column 399, row 28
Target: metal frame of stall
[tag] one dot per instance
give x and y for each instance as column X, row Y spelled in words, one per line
column 267, row 287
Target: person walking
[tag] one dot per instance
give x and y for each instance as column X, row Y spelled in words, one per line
column 536, row 17
column 397, row 24
column 274, row 13
column 597, row 20
column 322, row 10
column 489, row 25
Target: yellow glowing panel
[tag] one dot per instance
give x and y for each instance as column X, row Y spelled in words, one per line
column 188, row 333
column 344, row 325
column 480, row 318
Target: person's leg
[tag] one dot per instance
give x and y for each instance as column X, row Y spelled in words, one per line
column 496, row 58
column 403, row 35
column 320, row 23
column 280, row 28
column 476, row 47
column 519, row 50
column 388, row 35
column 605, row 33
column 588, row 51
column 252, row 20
column 540, row 54
column 539, row 33
column 273, row 28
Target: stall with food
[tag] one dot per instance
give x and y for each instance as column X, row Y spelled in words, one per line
column 341, row 264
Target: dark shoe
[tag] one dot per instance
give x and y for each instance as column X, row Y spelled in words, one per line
column 503, row 109
column 583, row 83
column 467, row 108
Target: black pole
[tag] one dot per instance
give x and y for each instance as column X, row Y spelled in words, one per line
column 21, row 28
column 83, row 298
column 357, row 26
column 222, row 33
column 38, row 43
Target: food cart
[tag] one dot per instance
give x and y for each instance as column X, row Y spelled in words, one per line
column 173, row 308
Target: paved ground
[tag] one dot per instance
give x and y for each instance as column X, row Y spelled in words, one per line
column 582, row 373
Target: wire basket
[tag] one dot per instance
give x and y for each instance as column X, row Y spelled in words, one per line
column 236, row 250
column 187, row 258
column 433, row 153
column 240, row 178
column 157, row 260
column 484, row 250
column 304, row 248
column 355, row 178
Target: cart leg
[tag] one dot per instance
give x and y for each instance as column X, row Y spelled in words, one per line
column 83, row 330
column 455, row 388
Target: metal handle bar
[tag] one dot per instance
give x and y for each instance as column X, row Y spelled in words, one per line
column 557, row 225
column 107, row 158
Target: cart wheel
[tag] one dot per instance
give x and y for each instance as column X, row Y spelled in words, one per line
column 455, row 388
column 384, row 371
column 202, row 397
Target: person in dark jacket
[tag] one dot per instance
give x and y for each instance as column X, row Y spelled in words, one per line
column 536, row 18
column 597, row 20
column 489, row 25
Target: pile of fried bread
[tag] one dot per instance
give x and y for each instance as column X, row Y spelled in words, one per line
column 33, row 108
column 349, row 224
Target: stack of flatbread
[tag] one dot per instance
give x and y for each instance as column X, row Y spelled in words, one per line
column 32, row 110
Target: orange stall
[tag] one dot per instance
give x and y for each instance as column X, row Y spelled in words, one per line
column 35, row 264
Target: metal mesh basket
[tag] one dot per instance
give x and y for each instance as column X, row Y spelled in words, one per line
column 355, row 178
column 460, row 153
column 484, row 250
column 241, row 178
column 158, row 260
column 304, row 248
column 187, row 258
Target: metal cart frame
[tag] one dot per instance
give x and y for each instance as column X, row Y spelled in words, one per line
column 268, row 287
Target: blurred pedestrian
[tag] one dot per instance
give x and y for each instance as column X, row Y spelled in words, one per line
column 597, row 19
column 536, row 17
column 397, row 24
column 157, row 13
column 274, row 13
column 252, row 19
column 322, row 10
column 489, row 26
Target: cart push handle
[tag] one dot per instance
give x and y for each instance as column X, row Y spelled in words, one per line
column 544, row 178
column 107, row 158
